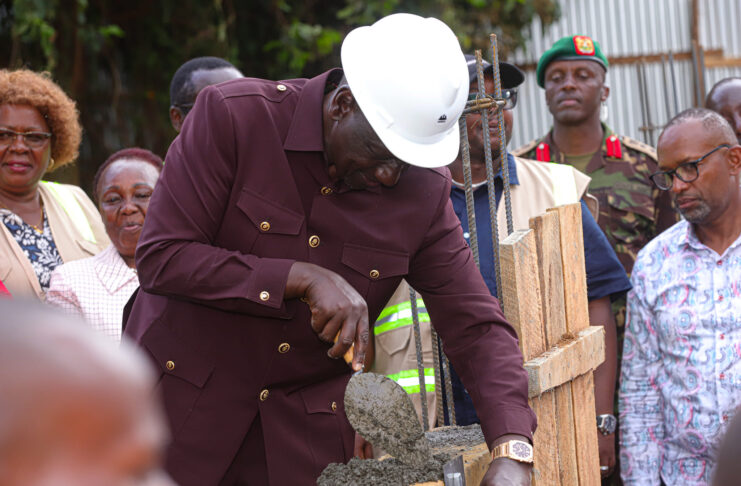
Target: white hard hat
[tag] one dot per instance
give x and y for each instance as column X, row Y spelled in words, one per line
column 410, row 79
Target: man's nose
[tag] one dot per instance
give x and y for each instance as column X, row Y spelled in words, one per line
column 569, row 82
column 678, row 185
column 389, row 174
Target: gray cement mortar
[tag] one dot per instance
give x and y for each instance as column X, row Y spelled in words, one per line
column 382, row 412
column 372, row 472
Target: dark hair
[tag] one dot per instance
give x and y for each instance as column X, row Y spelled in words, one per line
column 182, row 91
column 709, row 102
column 127, row 153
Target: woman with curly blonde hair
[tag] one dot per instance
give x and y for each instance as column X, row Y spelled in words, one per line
column 44, row 224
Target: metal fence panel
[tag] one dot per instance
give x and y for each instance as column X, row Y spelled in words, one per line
column 632, row 28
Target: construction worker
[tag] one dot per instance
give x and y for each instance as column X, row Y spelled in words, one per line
column 535, row 187
column 395, row 351
column 288, row 213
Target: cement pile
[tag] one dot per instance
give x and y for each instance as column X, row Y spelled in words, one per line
column 372, row 472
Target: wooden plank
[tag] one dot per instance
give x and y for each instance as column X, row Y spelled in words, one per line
column 574, row 273
column 585, row 425
column 567, row 465
column 571, row 358
column 545, row 445
column 550, row 271
column 521, row 290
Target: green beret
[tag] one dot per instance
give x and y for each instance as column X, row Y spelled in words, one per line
column 570, row 48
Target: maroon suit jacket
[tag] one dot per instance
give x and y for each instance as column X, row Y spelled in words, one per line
column 211, row 312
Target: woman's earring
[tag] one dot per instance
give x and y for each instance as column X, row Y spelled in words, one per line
column 603, row 113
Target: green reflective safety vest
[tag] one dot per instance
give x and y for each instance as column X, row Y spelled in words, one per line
column 409, row 380
column 399, row 315
column 395, row 317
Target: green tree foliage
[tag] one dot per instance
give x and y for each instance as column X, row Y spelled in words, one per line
column 116, row 58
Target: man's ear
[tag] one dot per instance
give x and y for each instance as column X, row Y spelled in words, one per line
column 734, row 160
column 341, row 103
column 605, row 93
column 176, row 118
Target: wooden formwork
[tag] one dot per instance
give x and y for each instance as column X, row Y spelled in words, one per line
column 544, row 295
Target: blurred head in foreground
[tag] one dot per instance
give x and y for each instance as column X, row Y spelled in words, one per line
column 77, row 410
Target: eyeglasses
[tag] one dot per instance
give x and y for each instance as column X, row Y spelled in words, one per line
column 509, row 96
column 31, row 139
column 685, row 172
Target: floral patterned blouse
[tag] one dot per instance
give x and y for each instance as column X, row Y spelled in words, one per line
column 38, row 246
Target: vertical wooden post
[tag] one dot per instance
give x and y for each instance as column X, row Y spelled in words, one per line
column 577, row 318
column 521, row 296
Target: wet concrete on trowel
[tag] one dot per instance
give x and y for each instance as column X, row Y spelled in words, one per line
column 372, row 472
column 382, row 412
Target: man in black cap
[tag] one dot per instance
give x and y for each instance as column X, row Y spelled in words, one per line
column 535, row 187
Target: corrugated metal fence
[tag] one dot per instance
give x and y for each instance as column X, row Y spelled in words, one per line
column 631, row 32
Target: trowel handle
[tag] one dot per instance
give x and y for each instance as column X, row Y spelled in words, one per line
column 349, row 354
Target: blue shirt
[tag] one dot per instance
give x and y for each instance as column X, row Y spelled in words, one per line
column 605, row 274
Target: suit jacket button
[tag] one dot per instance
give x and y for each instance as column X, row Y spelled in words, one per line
column 334, row 406
column 284, row 348
column 313, row 241
column 264, row 226
column 281, row 87
column 326, row 191
column 264, row 295
column 264, row 395
column 170, row 365
column 374, row 274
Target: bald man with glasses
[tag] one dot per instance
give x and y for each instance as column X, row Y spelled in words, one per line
column 681, row 366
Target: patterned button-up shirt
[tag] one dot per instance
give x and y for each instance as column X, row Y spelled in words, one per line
column 681, row 370
column 96, row 288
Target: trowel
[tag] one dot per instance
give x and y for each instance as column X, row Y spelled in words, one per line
column 382, row 412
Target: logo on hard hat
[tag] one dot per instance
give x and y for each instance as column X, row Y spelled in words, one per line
column 583, row 45
column 443, row 118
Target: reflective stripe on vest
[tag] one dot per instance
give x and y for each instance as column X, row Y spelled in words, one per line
column 564, row 185
column 399, row 315
column 72, row 207
column 409, row 380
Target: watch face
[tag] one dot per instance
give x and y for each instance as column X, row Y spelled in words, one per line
column 520, row 450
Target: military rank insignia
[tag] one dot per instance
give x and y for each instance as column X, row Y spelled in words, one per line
column 583, row 45
column 613, row 147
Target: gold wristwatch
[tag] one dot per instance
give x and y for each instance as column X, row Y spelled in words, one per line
column 518, row 450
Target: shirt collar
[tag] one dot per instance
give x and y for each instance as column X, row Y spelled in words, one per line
column 306, row 130
column 689, row 238
column 112, row 270
column 513, row 180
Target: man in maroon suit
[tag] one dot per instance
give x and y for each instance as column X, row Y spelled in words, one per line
column 288, row 212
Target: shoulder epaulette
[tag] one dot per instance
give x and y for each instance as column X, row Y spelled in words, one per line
column 639, row 146
column 520, row 151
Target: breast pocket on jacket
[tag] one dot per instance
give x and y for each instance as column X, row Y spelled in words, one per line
column 268, row 221
column 377, row 271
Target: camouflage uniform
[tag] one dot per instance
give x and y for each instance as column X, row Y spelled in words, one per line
column 632, row 209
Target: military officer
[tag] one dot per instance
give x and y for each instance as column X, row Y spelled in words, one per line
column 632, row 210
